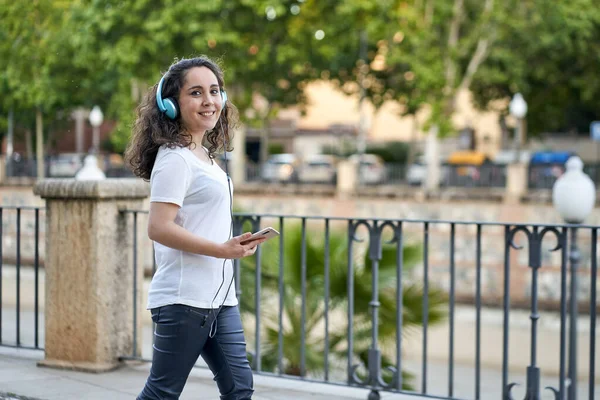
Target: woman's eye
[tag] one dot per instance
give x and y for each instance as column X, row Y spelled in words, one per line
column 214, row 91
column 196, row 93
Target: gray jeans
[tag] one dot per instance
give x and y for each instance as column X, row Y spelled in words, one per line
column 181, row 335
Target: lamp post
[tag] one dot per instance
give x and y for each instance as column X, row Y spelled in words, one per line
column 96, row 117
column 90, row 169
column 518, row 109
column 573, row 196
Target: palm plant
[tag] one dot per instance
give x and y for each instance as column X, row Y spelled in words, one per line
column 315, row 249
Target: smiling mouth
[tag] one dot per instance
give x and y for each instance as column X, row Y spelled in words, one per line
column 207, row 114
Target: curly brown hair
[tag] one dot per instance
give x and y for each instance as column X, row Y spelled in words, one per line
column 152, row 128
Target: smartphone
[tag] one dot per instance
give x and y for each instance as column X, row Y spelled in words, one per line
column 263, row 233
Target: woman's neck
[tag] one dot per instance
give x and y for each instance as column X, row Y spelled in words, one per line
column 197, row 137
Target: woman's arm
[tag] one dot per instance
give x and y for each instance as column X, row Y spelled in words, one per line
column 163, row 229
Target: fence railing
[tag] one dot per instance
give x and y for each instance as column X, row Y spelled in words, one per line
column 543, row 176
column 398, row 305
column 21, row 315
column 487, row 175
column 22, row 167
column 367, row 303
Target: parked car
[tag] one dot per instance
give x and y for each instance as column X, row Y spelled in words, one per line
column 65, row 165
column 465, row 167
column 545, row 167
column 505, row 157
column 416, row 173
column 318, row 168
column 372, row 168
column 551, row 157
column 280, row 168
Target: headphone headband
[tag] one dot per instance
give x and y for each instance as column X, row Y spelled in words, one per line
column 159, row 100
column 169, row 105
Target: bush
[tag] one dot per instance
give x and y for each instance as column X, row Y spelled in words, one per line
column 391, row 152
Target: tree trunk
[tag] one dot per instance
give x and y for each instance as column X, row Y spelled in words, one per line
column 505, row 136
column 412, row 149
column 10, row 134
column 39, row 144
column 428, row 13
column 361, row 144
column 453, row 36
column 136, row 91
column 432, row 159
column 28, row 146
column 79, row 116
column 265, row 135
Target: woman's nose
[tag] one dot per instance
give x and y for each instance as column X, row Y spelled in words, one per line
column 207, row 100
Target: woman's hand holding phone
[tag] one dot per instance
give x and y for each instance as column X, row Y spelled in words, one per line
column 240, row 247
column 245, row 245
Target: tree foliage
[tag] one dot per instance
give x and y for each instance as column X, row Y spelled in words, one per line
column 548, row 51
column 58, row 55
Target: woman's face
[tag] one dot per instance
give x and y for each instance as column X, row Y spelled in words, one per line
column 200, row 100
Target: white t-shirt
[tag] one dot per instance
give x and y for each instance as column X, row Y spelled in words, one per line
column 201, row 192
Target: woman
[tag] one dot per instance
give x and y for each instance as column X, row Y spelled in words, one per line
column 191, row 297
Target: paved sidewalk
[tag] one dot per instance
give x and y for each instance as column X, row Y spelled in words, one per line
column 21, row 378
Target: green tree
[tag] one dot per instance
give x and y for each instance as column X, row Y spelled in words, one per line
column 548, row 51
column 42, row 81
column 135, row 41
column 420, row 54
column 412, row 297
column 57, row 55
column 30, row 62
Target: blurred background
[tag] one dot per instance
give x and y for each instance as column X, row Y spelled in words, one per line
column 429, row 93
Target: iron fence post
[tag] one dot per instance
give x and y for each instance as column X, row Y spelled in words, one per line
column 574, row 259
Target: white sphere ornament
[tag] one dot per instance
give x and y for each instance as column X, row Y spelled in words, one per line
column 96, row 117
column 574, row 193
column 518, row 106
column 90, row 170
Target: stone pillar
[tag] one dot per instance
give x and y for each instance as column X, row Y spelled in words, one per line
column 89, row 272
column 516, row 182
column 347, row 178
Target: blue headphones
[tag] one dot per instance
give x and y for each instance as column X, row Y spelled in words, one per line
column 169, row 105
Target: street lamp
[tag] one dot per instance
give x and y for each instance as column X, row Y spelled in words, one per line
column 573, row 196
column 90, row 169
column 96, row 117
column 518, row 109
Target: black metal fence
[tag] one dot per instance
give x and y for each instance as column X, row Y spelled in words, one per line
column 344, row 301
column 57, row 167
column 21, row 317
column 543, row 176
column 369, row 303
column 23, row 167
column 455, row 175
column 486, row 175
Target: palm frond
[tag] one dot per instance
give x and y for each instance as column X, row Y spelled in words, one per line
column 314, row 301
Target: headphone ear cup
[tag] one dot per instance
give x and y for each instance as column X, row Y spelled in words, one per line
column 223, row 99
column 171, row 107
